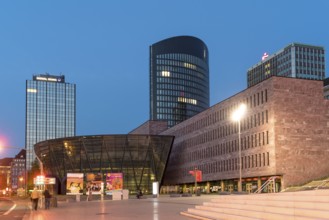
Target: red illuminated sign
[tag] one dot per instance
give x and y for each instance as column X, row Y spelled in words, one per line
column 197, row 174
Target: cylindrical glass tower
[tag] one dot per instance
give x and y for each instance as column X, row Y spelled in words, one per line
column 179, row 79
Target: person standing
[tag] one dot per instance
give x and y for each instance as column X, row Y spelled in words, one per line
column 139, row 194
column 35, row 198
column 89, row 194
column 47, row 198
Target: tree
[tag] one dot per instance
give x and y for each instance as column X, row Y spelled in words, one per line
column 31, row 174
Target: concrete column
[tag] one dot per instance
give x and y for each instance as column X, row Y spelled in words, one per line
column 222, row 185
column 184, row 188
column 208, row 188
column 259, row 183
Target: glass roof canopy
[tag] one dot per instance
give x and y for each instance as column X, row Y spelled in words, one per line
column 141, row 158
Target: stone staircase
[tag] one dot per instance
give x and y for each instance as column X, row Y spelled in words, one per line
column 303, row 205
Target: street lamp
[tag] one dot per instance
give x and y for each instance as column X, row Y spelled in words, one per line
column 237, row 116
column 21, row 180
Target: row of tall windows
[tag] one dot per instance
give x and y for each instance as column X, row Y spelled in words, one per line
column 223, row 114
column 247, row 142
column 247, row 162
column 183, row 57
column 310, row 63
column 223, row 131
column 311, row 51
column 284, row 67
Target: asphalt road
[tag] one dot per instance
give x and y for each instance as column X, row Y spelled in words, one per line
column 12, row 209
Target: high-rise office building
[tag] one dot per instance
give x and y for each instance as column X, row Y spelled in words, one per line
column 50, row 111
column 295, row 60
column 179, row 79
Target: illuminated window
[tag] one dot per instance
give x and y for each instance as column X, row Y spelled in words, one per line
column 32, row 90
column 165, row 73
column 187, row 100
column 190, row 66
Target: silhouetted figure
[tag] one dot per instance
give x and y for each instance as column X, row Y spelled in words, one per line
column 47, row 199
column 139, row 194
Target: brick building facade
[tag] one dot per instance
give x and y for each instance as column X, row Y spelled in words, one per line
column 284, row 133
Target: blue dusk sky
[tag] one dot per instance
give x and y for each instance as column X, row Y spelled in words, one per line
column 103, row 47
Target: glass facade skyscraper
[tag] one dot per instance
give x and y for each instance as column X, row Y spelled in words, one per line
column 295, row 60
column 50, row 111
column 179, row 79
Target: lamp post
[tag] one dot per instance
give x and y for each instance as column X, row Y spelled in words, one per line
column 237, row 116
column 41, row 165
column 21, row 182
column 195, row 180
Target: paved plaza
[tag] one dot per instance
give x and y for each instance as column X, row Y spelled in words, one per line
column 164, row 207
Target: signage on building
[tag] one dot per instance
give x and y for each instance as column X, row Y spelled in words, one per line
column 265, row 55
column 46, row 79
column 49, row 78
column 39, row 180
column 50, row 180
column 197, row 174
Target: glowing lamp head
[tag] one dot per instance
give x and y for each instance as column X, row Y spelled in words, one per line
column 239, row 113
column 3, row 142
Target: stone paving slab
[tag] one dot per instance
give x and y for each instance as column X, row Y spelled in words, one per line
column 164, row 207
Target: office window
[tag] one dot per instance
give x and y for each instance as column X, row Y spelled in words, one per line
column 268, row 159
column 264, row 159
column 252, row 161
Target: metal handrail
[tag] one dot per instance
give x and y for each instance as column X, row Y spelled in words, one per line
column 324, row 182
column 270, row 180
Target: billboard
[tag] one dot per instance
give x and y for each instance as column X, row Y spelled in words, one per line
column 114, row 181
column 74, row 184
column 94, row 183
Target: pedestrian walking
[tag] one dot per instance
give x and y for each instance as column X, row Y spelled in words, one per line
column 89, row 194
column 35, row 198
column 47, row 199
